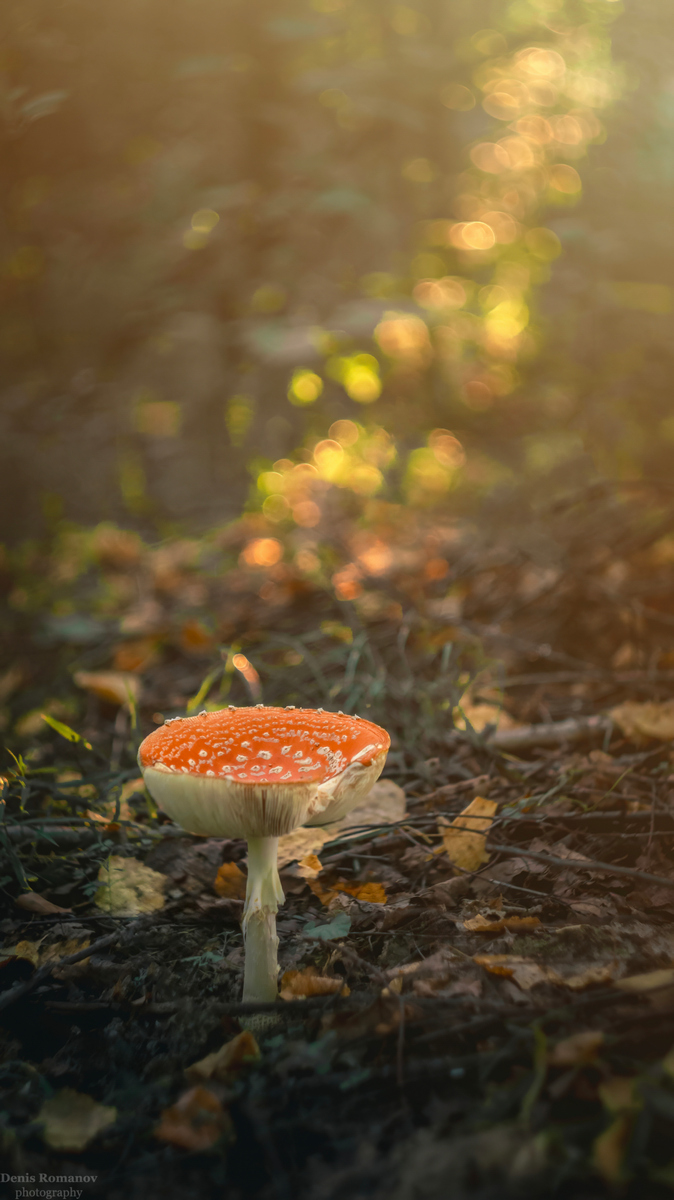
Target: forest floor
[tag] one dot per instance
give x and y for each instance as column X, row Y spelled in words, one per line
column 484, row 1007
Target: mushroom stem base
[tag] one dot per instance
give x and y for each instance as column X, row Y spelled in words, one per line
column 261, row 969
column 263, row 896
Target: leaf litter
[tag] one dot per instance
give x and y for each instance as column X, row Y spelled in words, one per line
column 478, row 969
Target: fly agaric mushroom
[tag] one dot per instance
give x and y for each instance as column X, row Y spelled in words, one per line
column 258, row 773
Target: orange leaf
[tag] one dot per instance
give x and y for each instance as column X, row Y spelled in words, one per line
column 225, row 1063
column 373, row 893
column 296, row 985
column 463, row 839
column 34, row 902
column 230, row 881
column 195, row 1121
column 114, row 687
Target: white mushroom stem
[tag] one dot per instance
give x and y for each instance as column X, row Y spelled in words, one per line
column 263, row 896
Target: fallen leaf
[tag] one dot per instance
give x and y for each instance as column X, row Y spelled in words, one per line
column 195, row 1121
column 230, row 881
column 309, row 867
column 384, row 804
column 225, row 1063
column 72, row 1120
column 482, row 924
column 640, row 721
column 618, row 1094
column 129, row 888
column 114, row 687
column 371, row 893
column 524, row 971
column 337, row 928
column 608, row 1150
column 646, row 982
column 482, row 715
column 34, row 902
column 30, row 951
column 295, row 846
column 592, row 977
column 576, row 1050
column 136, row 655
column 296, row 985
column 463, row 841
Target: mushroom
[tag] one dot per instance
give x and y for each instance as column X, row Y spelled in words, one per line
column 258, row 773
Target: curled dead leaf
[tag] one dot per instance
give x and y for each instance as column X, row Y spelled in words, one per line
column 523, row 971
column 514, row 924
column 296, row 985
column 71, row 1120
column 464, row 839
column 114, row 687
column 195, row 1121
column 576, row 1050
column 34, row 902
column 230, row 882
column 224, row 1064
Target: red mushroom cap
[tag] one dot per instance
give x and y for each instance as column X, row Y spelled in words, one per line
column 276, row 757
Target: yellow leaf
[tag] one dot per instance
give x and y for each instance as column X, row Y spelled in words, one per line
column 224, row 1064
column 30, row 951
column 481, row 715
column 576, row 1050
column 230, row 881
column 72, row 1120
column 640, row 721
column 129, row 888
column 618, row 1094
column 647, row 982
column 114, row 687
column 463, row 839
column 296, row 985
column 593, row 977
column 608, row 1150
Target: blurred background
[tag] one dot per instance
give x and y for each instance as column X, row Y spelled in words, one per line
column 432, row 239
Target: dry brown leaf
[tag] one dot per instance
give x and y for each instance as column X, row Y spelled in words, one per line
column 129, row 888
column 384, row 804
column 296, row 845
column 72, row 1120
column 297, row 985
column 482, row 924
column 482, row 715
column 114, row 687
column 647, row 982
column 463, row 839
column 230, row 881
column 34, row 902
column 225, row 1063
column 640, row 721
column 195, row 1121
column 576, row 1050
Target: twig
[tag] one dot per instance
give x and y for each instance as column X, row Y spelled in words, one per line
column 574, row 729
column 18, row 992
column 584, row 864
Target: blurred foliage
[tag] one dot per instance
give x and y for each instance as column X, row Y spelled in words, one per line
column 230, row 231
